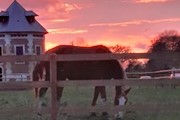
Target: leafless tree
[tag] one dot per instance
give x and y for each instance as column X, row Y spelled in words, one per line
column 131, row 64
column 79, row 42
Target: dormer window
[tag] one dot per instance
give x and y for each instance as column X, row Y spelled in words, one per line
column 30, row 19
column 30, row 16
column 4, row 17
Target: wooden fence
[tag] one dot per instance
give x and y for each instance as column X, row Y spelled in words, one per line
column 53, row 84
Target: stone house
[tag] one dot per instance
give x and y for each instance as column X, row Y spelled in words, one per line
column 20, row 34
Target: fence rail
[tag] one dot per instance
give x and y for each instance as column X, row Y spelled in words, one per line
column 84, row 57
column 25, row 85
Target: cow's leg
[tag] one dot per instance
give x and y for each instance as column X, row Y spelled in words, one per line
column 125, row 94
column 117, row 95
column 59, row 95
column 103, row 99
column 121, row 96
column 120, row 99
column 59, row 104
column 42, row 92
column 103, row 94
column 97, row 91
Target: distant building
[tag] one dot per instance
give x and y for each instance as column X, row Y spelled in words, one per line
column 20, row 34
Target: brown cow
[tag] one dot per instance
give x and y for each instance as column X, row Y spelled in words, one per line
column 82, row 70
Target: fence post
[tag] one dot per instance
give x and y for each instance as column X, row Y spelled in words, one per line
column 53, row 79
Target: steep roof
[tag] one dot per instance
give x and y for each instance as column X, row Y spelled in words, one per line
column 17, row 20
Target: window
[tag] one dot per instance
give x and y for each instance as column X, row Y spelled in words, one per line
column 19, row 35
column 19, row 50
column 38, row 50
column 4, row 19
column 2, row 35
column 0, row 74
column 0, row 51
column 38, row 35
column 30, row 19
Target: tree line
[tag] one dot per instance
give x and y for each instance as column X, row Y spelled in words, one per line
column 167, row 41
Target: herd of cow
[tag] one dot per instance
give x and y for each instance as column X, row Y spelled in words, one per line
column 83, row 70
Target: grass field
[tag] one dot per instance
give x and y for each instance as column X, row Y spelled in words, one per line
column 83, row 96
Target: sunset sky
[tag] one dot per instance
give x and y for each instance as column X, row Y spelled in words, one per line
column 132, row 23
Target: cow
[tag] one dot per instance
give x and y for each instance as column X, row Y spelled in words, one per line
column 83, row 70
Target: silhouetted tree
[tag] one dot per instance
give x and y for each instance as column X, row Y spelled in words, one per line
column 79, row 41
column 120, row 49
column 131, row 65
column 167, row 41
column 135, row 66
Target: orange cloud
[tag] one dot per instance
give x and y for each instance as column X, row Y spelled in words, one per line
column 66, row 31
column 116, row 24
column 57, row 11
column 150, row 1
column 60, row 20
column 65, row 7
column 136, row 22
column 70, row 7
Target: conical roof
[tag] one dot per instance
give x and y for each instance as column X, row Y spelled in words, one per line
column 17, row 20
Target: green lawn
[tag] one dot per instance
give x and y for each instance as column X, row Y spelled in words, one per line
column 83, row 96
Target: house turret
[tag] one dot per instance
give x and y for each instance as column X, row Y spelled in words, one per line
column 20, row 34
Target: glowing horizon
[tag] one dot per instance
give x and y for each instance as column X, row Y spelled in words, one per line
column 132, row 23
